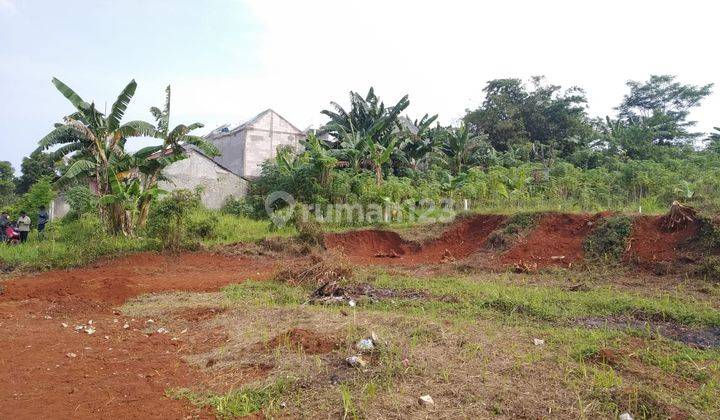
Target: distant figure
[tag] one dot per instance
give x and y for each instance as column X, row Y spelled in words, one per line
column 4, row 223
column 43, row 218
column 23, row 226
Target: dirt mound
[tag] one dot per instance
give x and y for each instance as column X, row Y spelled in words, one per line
column 385, row 247
column 310, row 342
column 556, row 240
column 321, row 268
column 651, row 242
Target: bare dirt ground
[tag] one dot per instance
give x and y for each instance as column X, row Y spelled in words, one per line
column 51, row 370
column 70, row 351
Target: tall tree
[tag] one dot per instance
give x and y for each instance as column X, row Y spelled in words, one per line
column 545, row 115
column 663, row 105
column 7, row 183
column 34, row 167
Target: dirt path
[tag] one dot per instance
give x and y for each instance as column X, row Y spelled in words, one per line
column 50, row 370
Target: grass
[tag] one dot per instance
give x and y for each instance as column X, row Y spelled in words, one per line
column 469, row 345
column 74, row 243
column 37, row 255
column 239, row 402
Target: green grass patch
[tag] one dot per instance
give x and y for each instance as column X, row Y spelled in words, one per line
column 239, row 402
column 472, row 299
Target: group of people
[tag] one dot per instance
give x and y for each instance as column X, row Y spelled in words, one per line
column 19, row 230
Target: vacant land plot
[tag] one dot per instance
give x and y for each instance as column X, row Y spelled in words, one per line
column 492, row 317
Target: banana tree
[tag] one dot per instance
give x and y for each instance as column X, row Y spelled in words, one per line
column 153, row 159
column 379, row 155
column 460, row 148
column 368, row 115
column 94, row 139
column 126, row 193
column 417, row 147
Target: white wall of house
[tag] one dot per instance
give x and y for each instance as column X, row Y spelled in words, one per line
column 216, row 182
column 245, row 148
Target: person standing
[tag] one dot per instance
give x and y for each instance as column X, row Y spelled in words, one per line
column 23, row 226
column 4, row 223
column 43, row 218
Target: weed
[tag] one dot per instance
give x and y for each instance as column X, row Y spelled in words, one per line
column 609, row 239
column 349, row 410
column 709, row 268
column 240, row 402
column 515, row 226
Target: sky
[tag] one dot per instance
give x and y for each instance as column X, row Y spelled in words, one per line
column 228, row 60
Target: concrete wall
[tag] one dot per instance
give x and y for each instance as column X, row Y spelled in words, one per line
column 59, row 207
column 232, row 149
column 246, row 150
column 217, row 183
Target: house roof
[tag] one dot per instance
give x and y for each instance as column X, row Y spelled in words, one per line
column 224, row 130
column 193, row 148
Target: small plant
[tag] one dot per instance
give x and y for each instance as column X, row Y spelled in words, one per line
column 349, row 410
column 609, row 239
column 309, row 230
column 709, row 268
column 514, row 227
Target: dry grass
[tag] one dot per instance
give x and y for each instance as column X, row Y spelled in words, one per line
column 323, row 267
column 479, row 367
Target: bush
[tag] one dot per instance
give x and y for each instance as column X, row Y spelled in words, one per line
column 81, row 200
column 609, row 239
column 709, row 268
column 168, row 217
column 202, row 225
column 239, row 207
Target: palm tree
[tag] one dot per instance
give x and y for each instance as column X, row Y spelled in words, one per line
column 95, row 141
column 152, row 160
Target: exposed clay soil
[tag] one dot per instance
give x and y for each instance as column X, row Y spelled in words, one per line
column 649, row 242
column 54, row 371
column 556, row 240
column 310, row 342
column 386, row 247
column 51, row 371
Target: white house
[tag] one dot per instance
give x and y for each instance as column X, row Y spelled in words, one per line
column 245, row 147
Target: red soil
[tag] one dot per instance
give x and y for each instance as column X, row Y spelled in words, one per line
column 116, row 372
column 649, row 242
column 557, row 240
column 385, row 247
column 122, row 373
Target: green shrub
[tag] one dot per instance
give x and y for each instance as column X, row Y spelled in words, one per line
column 239, row 207
column 709, row 268
column 81, row 200
column 202, row 225
column 609, row 239
column 168, row 217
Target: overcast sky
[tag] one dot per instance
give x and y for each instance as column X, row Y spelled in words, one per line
column 229, row 60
